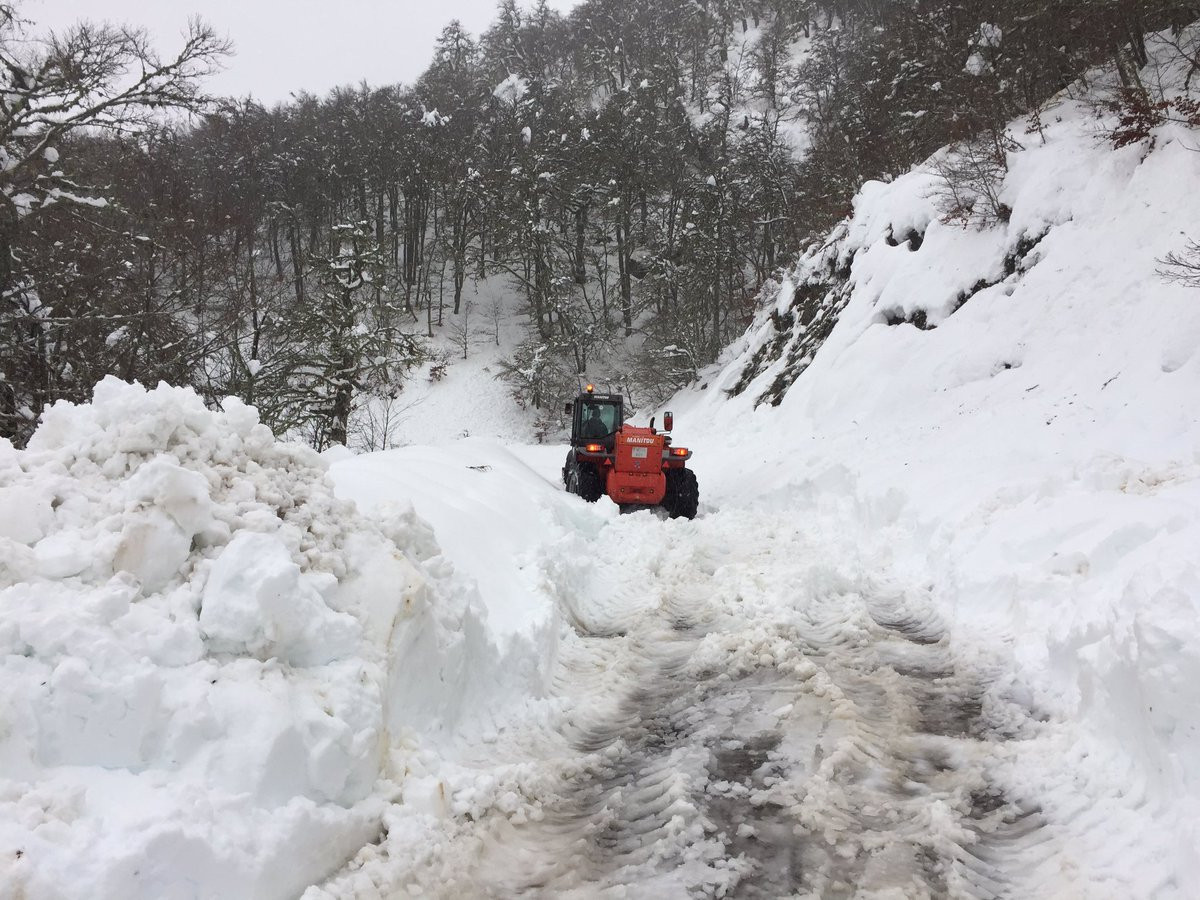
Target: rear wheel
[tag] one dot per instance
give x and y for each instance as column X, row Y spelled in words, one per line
column 683, row 494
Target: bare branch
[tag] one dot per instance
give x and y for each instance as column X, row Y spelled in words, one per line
column 1182, row 268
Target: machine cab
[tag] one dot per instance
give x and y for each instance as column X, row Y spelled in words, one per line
column 595, row 418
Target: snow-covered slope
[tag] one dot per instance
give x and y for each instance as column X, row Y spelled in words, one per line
column 1031, row 453
column 447, row 397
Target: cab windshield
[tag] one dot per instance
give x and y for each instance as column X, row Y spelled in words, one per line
column 599, row 420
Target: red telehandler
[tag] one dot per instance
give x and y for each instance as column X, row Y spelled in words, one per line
column 636, row 467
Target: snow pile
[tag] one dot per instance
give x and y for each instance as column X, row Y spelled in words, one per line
column 1010, row 413
column 199, row 648
column 257, row 602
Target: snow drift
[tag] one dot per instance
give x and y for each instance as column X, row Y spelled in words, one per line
column 197, row 646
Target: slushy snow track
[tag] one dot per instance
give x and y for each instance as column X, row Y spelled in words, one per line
column 746, row 710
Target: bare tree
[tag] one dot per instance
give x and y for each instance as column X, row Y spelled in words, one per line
column 377, row 422
column 971, row 175
column 461, row 336
column 495, row 318
column 98, row 79
column 95, row 77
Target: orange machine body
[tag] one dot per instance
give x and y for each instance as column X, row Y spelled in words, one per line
column 635, row 467
column 634, row 471
column 636, row 474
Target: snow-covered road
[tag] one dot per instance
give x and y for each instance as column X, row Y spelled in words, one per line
column 743, row 707
column 836, row 751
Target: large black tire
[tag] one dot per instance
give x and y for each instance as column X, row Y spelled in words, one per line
column 683, row 494
column 591, row 486
column 584, row 480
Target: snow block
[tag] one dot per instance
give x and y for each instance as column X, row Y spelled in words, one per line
column 257, row 602
column 153, row 549
column 27, row 514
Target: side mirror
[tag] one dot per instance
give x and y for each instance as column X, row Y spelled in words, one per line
column 652, row 423
column 568, row 407
column 668, row 421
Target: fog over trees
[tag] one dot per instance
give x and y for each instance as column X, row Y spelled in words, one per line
column 634, row 171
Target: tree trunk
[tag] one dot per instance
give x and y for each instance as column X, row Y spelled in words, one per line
column 623, row 254
column 297, row 263
column 459, row 240
column 580, row 236
column 10, row 347
column 343, row 394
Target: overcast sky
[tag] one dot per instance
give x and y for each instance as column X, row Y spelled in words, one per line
column 283, row 46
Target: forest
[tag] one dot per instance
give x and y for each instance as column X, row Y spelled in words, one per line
column 634, row 172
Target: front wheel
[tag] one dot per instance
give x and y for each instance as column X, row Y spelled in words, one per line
column 590, row 485
column 585, row 481
column 683, row 494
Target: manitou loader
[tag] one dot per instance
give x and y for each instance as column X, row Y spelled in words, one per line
column 636, row 467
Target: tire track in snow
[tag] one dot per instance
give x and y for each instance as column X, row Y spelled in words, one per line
column 742, row 720
column 855, row 761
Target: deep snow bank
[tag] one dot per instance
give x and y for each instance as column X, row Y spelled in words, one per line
column 489, row 512
column 198, row 640
column 495, row 523
column 1012, row 412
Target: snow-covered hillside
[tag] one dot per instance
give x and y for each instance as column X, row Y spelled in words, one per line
column 933, row 633
column 1029, row 451
column 450, row 397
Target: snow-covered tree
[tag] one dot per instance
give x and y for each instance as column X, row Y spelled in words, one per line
column 357, row 346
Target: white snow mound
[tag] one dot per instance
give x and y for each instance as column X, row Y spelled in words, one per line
column 194, row 653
